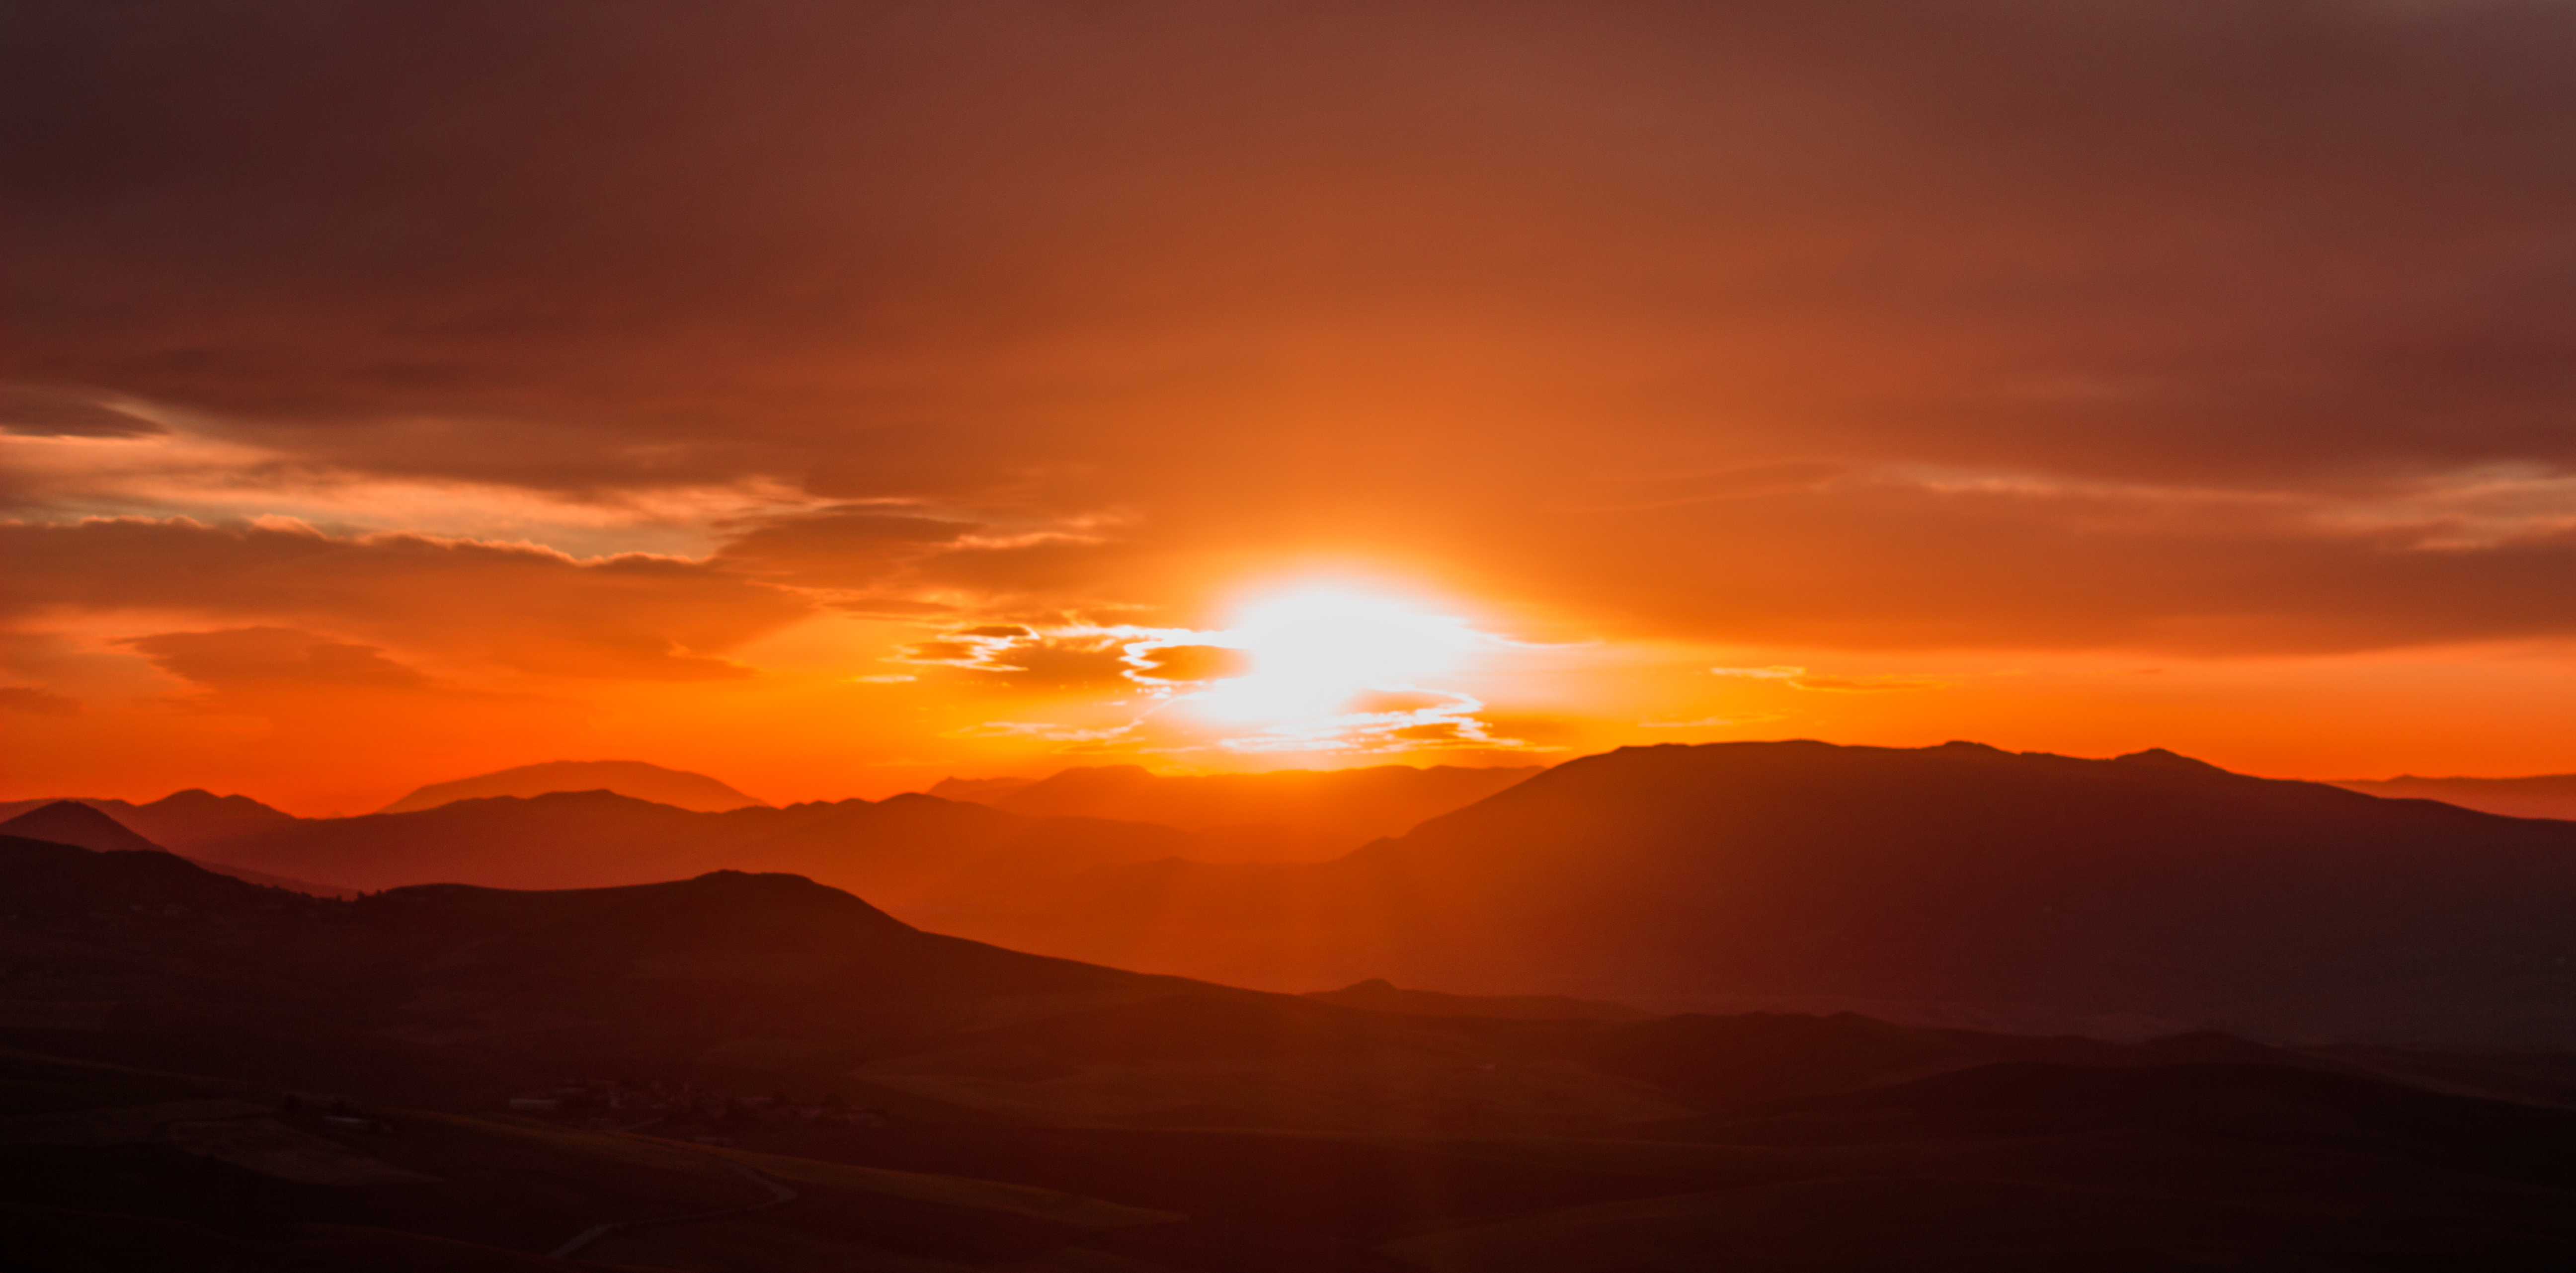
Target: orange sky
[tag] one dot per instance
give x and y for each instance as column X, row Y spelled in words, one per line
column 831, row 397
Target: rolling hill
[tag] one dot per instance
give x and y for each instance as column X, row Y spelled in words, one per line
column 913, row 851
column 181, row 822
column 1956, row 883
column 1038, row 1114
column 90, row 827
column 71, row 822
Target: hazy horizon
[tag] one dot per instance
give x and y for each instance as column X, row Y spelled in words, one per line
column 839, row 396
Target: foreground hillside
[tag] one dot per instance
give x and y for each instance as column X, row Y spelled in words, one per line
column 1955, row 882
column 1024, row 1113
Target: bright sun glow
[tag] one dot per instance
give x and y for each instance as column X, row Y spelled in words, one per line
column 1321, row 651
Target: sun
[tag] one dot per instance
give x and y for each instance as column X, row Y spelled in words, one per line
column 1319, row 651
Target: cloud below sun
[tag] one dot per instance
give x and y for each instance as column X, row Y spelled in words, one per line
column 1323, row 671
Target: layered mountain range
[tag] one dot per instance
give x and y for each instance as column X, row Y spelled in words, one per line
column 1278, row 816
column 1957, row 884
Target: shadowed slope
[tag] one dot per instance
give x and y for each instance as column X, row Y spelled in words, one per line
column 2147, row 889
column 1292, row 814
column 70, row 822
column 901, row 851
column 181, row 821
column 2544, row 796
column 83, row 823
column 43, row 880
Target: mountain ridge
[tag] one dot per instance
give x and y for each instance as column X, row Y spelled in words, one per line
column 2537, row 796
column 678, row 788
column 1802, row 871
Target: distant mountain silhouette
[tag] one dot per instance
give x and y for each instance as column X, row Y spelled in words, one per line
column 2042, row 889
column 71, row 822
column 1296, row 814
column 916, row 852
column 181, row 821
column 632, row 778
column 2544, row 796
column 88, row 826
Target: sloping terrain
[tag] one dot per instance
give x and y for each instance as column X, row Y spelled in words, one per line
column 1288, row 815
column 911, row 850
column 2149, row 892
column 182, row 821
column 2043, row 1166
column 71, row 822
column 124, row 1169
column 1026, row 1113
column 2541, row 796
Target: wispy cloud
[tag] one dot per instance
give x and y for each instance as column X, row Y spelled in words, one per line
column 1801, row 678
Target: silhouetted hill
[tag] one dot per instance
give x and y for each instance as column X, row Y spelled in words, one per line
column 2037, row 888
column 1286, row 815
column 1040, row 1114
column 633, row 778
column 85, row 824
column 70, row 822
column 2545, row 796
column 910, row 850
column 182, row 821
column 41, row 880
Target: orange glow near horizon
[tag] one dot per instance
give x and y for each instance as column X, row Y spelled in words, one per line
column 1313, row 650
column 1303, row 388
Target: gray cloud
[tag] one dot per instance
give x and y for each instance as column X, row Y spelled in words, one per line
column 1199, row 287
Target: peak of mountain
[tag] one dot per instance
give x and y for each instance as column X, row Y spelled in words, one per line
column 197, row 817
column 2040, row 888
column 900, row 851
column 71, row 822
column 1310, row 813
column 634, row 778
column 183, row 821
column 2538, row 796
column 2167, row 759
column 194, row 816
